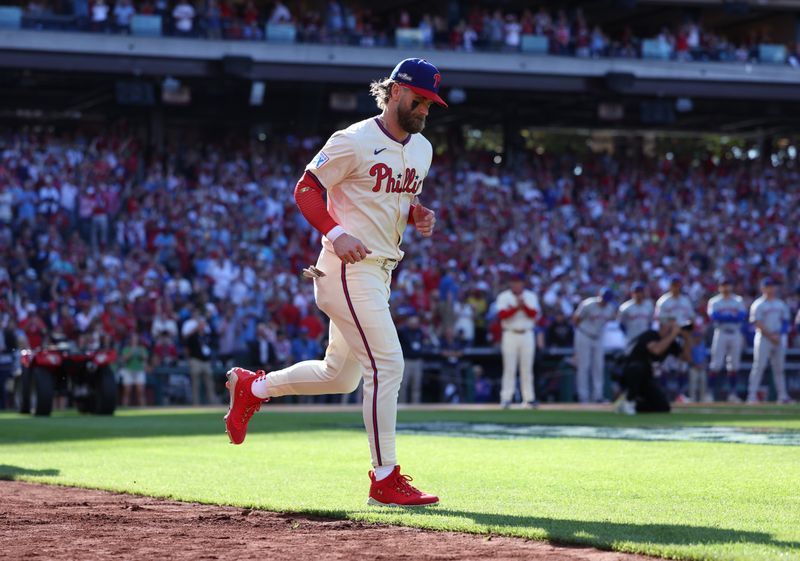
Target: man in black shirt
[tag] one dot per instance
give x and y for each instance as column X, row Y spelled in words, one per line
column 560, row 332
column 642, row 394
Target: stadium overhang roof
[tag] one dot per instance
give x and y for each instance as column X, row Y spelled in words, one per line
column 146, row 56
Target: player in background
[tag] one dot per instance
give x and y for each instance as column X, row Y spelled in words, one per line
column 372, row 173
column 728, row 312
column 675, row 304
column 518, row 309
column 590, row 319
column 771, row 317
column 635, row 316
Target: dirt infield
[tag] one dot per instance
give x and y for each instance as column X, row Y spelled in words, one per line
column 47, row 522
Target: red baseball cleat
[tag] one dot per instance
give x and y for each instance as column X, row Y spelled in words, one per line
column 396, row 490
column 243, row 403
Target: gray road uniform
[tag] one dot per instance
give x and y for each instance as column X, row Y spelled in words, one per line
column 635, row 318
column 774, row 316
column 678, row 307
column 592, row 315
column 728, row 315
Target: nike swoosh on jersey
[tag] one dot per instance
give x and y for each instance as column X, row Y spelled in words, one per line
column 379, row 151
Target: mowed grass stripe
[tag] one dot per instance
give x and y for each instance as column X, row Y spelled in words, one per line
column 681, row 500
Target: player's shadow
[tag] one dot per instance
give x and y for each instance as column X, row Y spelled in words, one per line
column 605, row 534
column 10, row 473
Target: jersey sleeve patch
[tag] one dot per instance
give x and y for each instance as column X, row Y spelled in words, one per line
column 320, row 160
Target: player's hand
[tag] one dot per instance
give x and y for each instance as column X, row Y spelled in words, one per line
column 424, row 219
column 349, row 249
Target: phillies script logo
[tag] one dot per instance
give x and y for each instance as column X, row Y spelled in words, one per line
column 394, row 183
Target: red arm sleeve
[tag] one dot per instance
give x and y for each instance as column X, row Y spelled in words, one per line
column 411, row 215
column 532, row 313
column 505, row 314
column 309, row 199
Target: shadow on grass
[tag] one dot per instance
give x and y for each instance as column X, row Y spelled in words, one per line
column 606, row 534
column 10, row 473
column 69, row 426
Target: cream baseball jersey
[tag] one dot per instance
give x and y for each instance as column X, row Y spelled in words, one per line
column 520, row 320
column 371, row 179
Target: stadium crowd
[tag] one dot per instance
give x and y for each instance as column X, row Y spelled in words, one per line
column 458, row 27
column 98, row 244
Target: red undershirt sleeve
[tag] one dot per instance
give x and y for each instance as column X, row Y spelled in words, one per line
column 411, row 214
column 309, row 199
column 505, row 314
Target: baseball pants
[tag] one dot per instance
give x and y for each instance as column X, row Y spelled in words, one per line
column 363, row 343
column 518, row 350
column 726, row 351
column 767, row 351
column 590, row 361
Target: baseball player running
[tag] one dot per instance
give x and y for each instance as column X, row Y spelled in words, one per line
column 771, row 318
column 635, row 315
column 728, row 312
column 372, row 172
column 590, row 321
column 518, row 309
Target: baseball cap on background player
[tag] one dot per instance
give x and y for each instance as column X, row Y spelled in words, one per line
column 675, row 279
column 516, row 277
column 637, row 287
column 606, row 294
column 769, row 281
column 419, row 76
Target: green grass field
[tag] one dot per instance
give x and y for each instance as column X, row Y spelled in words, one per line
column 682, row 500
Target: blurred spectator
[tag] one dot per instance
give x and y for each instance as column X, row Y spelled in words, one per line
column 123, row 14
column 8, row 359
column 483, row 386
column 559, row 333
column 213, row 17
column 184, row 15
column 100, row 12
column 263, row 355
column 196, row 335
column 451, row 377
column 304, row 347
column 133, row 361
column 412, row 340
column 280, row 13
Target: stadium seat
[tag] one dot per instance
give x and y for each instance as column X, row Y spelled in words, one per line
column 411, row 38
column 146, row 26
column 535, row 44
column 10, row 17
column 654, row 49
column 280, row 33
column 772, row 54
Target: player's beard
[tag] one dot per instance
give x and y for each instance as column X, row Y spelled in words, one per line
column 409, row 122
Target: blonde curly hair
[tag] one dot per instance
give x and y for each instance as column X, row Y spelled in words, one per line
column 381, row 90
